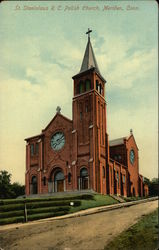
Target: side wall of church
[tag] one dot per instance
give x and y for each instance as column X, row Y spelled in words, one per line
column 133, row 169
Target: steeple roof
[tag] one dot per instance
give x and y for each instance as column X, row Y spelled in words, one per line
column 89, row 60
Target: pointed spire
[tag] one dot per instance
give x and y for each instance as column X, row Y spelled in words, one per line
column 89, row 59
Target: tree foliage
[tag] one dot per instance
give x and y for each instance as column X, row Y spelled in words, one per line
column 153, row 186
column 8, row 190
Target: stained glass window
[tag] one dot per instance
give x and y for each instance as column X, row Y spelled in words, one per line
column 32, row 149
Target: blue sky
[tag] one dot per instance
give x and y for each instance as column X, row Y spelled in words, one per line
column 41, row 51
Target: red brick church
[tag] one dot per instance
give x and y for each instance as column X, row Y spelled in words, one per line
column 71, row 155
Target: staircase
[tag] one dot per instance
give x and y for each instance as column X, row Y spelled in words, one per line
column 118, row 198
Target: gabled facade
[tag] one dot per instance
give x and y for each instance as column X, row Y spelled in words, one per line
column 75, row 154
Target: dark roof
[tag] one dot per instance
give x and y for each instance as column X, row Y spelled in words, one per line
column 89, row 61
column 34, row 137
column 121, row 141
column 116, row 142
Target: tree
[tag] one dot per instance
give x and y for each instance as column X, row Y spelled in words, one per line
column 153, row 186
column 8, row 190
column 5, row 185
column 18, row 189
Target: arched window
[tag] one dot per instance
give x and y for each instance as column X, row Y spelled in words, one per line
column 44, row 181
column 32, row 149
column 77, row 89
column 83, row 172
column 59, row 176
column 103, row 172
column 117, row 176
column 97, row 85
column 123, row 178
column 81, row 87
column 88, row 85
column 36, row 148
column 34, row 185
column 69, row 177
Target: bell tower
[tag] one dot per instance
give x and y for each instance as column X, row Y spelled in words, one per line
column 89, row 122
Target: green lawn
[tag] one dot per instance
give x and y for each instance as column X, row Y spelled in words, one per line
column 142, row 236
column 12, row 210
column 99, row 200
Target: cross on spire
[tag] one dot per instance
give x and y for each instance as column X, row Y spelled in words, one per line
column 88, row 33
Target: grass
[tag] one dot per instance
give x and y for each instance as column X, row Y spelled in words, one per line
column 141, row 236
column 99, row 200
column 12, row 211
column 134, row 198
column 44, row 199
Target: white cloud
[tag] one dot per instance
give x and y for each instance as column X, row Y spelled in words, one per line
column 36, row 77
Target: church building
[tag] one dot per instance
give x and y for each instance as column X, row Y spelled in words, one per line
column 70, row 155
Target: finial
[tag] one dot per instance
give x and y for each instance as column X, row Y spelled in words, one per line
column 131, row 131
column 88, row 33
column 58, row 110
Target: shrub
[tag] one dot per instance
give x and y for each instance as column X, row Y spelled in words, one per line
column 52, row 204
column 47, row 209
column 12, row 214
column 45, row 215
column 11, row 220
column 30, row 200
column 13, row 207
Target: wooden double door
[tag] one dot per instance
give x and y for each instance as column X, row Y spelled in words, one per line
column 60, row 185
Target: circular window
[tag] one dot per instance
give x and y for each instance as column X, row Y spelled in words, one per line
column 57, row 141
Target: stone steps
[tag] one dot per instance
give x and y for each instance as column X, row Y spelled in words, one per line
column 118, row 198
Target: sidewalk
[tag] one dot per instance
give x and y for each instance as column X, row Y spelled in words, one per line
column 78, row 214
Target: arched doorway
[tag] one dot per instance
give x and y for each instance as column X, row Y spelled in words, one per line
column 84, row 179
column 33, row 188
column 59, row 181
column 56, row 181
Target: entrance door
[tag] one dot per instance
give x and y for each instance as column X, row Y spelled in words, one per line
column 85, row 183
column 59, row 181
column 60, row 186
column 83, row 178
column 34, row 185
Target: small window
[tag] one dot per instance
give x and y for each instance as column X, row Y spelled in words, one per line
column 103, row 172
column 99, row 88
column 44, row 181
column 123, row 178
column 37, row 148
column 96, row 85
column 80, row 116
column 69, row 177
column 77, row 89
column 88, row 85
column 119, row 157
column 32, row 149
column 117, row 176
column 81, row 87
column 115, row 157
